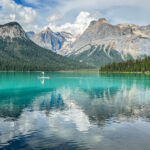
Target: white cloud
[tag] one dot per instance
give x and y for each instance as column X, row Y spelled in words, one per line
column 63, row 12
column 54, row 18
column 81, row 23
column 11, row 11
column 116, row 11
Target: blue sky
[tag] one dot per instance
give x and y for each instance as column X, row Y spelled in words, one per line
column 72, row 15
column 21, row 2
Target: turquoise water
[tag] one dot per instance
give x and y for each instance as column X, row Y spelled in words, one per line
column 74, row 111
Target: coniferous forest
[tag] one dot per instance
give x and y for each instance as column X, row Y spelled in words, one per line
column 141, row 65
column 24, row 55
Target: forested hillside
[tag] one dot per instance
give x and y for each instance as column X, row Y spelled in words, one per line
column 23, row 55
column 19, row 53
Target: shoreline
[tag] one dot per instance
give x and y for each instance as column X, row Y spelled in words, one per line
column 86, row 70
column 115, row 72
column 82, row 71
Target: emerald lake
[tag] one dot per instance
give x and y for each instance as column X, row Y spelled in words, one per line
column 74, row 111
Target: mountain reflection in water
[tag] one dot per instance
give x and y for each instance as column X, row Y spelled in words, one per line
column 74, row 111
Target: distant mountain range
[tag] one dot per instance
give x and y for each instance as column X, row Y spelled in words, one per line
column 19, row 53
column 55, row 41
column 101, row 43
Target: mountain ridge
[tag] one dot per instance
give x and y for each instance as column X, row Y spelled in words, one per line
column 100, row 44
column 12, row 30
column 54, row 41
column 129, row 41
column 19, row 53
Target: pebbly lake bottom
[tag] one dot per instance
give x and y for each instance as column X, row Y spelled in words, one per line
column 74, row 111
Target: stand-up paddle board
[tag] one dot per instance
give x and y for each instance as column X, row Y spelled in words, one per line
column 43, row 77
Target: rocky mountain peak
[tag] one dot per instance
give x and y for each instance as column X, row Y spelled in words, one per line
column 102, row 20
column 49, row 39
column 111, row 42
column 12, row 30
column 99, row 29
column 98, row 26
column 98, row 22
column 47, row 30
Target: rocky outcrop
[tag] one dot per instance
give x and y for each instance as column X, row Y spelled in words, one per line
column 48, row 39
column 54, row 41
column 12, row 30
column 126, row 40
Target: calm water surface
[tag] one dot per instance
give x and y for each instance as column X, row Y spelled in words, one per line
column 74, row 111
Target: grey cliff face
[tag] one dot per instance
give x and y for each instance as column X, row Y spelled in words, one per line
column 114, row 42
column 49, row 39
column 12, row 30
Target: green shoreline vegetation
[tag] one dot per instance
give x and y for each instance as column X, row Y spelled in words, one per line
column 130, row 66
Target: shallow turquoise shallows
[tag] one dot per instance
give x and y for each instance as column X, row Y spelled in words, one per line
column 74, row 111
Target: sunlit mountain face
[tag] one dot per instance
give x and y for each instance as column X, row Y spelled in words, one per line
column 74, row 111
